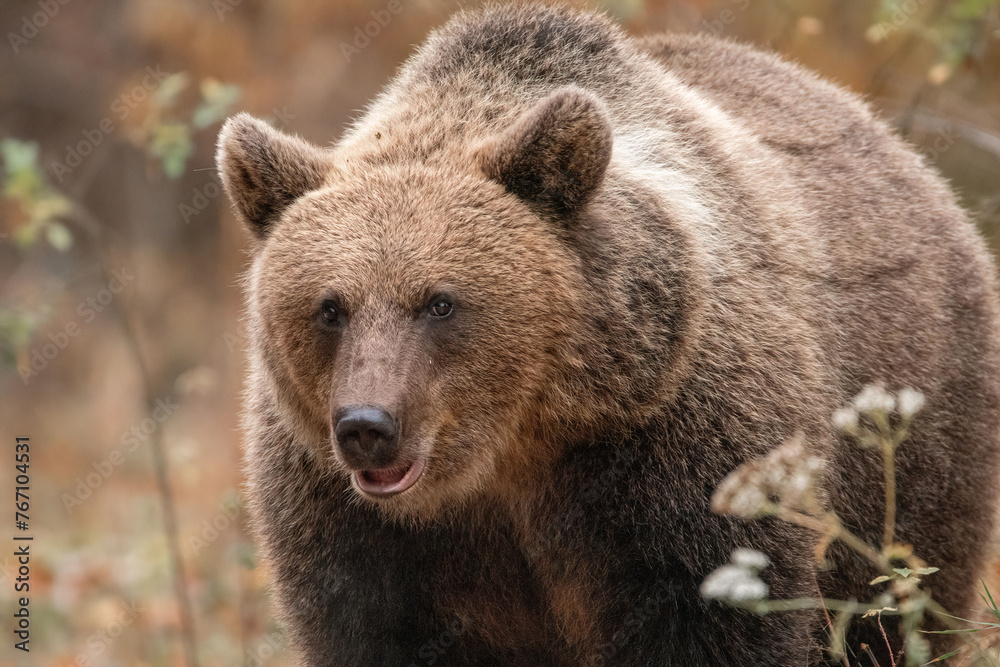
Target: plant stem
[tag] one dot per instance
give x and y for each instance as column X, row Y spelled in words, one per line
column 889, row 469
column 863, row 548
column 831, row 525
column 798, row 604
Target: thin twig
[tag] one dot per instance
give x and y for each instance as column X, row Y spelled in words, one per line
column 889, row 474
column 826, row 615
column 839, row 532
column 888, row 646
column 96, row 229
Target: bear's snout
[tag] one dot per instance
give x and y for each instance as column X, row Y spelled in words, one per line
column 368, row 440
column 366, row 435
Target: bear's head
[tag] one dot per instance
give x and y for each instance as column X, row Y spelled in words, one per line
column 439, row 328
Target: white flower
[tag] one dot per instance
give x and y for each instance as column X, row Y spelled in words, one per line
column 733, row 583
column 910, row 402
column 874, row 398
column 845, row 419
column 739, row 494
column 750, row 559
column 750, row 588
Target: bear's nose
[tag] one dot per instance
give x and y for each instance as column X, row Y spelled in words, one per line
column 366, row 434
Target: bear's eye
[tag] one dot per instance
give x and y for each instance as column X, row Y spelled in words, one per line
column 331, row 313
column 440, row 307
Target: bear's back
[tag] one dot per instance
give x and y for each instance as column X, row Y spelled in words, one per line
column 905, row 295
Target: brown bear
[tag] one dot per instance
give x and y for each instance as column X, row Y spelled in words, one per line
column 513, row 329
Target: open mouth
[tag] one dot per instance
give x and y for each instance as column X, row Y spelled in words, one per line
column 387, row 481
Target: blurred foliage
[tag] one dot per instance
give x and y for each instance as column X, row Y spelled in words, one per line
column 955, row 29
column 171, row 124
column 17, row 329
column 216, row 101
column 89, row 85
column 38, row 211
column 40, row 205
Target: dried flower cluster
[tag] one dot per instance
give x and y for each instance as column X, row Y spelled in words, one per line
column 785, row 477
column 785, row 484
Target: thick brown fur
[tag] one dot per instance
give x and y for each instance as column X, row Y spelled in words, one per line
column 665, row 257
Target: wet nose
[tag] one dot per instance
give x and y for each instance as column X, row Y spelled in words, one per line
column 366, row 435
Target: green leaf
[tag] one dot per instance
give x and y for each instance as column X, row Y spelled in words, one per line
column 876, row 612
column 170, row 88
column 18, row 154
column 944, row 657
column 217, row 98
column 902, row 571
column 926, row 570
column 992, row 604
column 40, row 205
column 972, row 9
column 172, row 144
column 16, row 331
column 957, row 631
column 173, row 165
column 879, row 580
column 24, row 178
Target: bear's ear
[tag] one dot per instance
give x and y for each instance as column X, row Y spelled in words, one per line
column 553, row 156
column 264, row 170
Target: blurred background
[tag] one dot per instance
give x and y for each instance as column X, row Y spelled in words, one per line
column 120, row 338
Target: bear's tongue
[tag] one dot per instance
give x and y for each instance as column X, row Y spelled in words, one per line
column 386, row 476
column 389, row 481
